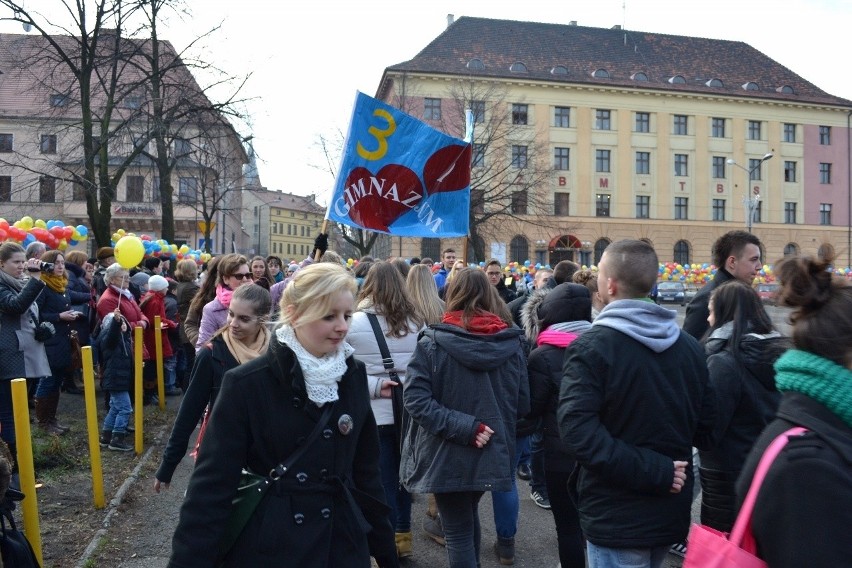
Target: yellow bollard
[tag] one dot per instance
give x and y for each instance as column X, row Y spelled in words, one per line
column 26, row 469
column 94, row 428
column 138, row 414
column 158, row 346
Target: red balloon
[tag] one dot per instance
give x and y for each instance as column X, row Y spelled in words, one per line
column 145, row 237
column 2, row 235
column 57, row 232
column 4, row 224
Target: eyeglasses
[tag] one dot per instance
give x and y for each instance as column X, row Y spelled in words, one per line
column 243, row 276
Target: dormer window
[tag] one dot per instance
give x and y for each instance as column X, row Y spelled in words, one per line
column 58, row 100
column 559, row 70
column 600, row 74
column 475, row 64
column 518, row 67
column 714, row 83
column 639, row 77
column 786, row 90
column 677, row 80
column 751, row 86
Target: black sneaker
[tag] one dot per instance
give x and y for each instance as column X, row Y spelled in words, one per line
column 524, row 472
column 540, row 500
column 679, row 549
column 119, row 444
column 106, row 437
column 435, row 530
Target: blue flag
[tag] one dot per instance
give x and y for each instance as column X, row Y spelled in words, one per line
column 400, row 176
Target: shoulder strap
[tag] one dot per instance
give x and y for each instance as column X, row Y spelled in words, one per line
column 387, row 360
column 285, row 466
column 742, row 525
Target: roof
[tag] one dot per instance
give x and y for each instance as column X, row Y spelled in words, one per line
column 580, row 51
column 288, row 201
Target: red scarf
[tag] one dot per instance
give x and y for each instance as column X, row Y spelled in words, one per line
column 485, row 323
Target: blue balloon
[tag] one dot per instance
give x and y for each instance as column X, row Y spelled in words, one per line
column 29, row 239
column 51, row 224
column 82, row 230
column 72, row 242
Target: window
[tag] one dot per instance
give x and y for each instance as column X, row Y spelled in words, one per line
column 59, row 100
column 681, row 165
column 135, row 189
column 602, row 119
column 639, row 76
column 560, row 158
column 47, row 189
column 681, row 253
column 825, row 135
column 824, row 172
column 715, row 83
column 560, row 204
column 182, row 147
column 518, row 67
column 478, row 110
column 643, row 162
column 6, row 143
column 519, row 202
column 643, row 122
column 600, row 247
column 790, row 212
column 474, row 65
column 751, row 86
column 718, row 167
column 602, row 161
column 602, row 204
column 478, row 160
column 718, row 209
column 432, row 109
column 677, row 80
column 681, row 208
column 519, row 247
column 47, row 144
column 754, row 167
column 825, row 213
column 717, row 127
column 680, row 125
column 430, row 248
column 790, row 171
column 559, row 70
column 791, row 249
column 133, row 102
column 520, row 114
column 757, row 212
column 754, row 130
column 643, row 207
column 477, row 205
column 562, row 117
column 601, row 74
column 155, row 190
column 789, row 132
column 187, row 190
column 5, row 188
column 519, row 157
column 78, row 192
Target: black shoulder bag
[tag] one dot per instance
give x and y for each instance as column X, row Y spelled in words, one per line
column 253, row 487
column 400, row 416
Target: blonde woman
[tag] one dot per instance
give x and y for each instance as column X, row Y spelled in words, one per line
column 324, row 509
column 423, row 293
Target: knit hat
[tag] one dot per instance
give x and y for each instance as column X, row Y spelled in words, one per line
column 567, row 302
column 104, row 253
column 293, row 267
column 157, row 283
column 140, row 279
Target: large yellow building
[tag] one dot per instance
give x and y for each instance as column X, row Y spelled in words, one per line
column 586, row 136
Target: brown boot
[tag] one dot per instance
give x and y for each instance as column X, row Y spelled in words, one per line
column 45, row 411
column 403, row 544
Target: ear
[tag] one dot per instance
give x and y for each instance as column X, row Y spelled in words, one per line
column 729, row 263
column 290, row 310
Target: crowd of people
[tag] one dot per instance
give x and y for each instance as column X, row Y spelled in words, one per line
column 344, row 392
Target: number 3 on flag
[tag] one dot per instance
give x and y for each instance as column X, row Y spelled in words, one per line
column 381, row 135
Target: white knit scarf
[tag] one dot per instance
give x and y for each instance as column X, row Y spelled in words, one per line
column 321, row 373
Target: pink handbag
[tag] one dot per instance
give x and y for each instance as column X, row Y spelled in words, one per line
column 709, row 548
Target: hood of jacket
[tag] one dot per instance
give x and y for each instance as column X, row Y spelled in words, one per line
column 651, row 325
column 473, row 350
column 529, row 313
column 756, row 352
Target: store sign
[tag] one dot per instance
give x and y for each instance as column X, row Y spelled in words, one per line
column 134, row 210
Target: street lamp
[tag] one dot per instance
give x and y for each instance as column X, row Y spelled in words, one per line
column 751, row 198
column 259, row 214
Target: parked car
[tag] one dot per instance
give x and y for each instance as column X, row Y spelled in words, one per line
column 768, row 293
column 674, row 292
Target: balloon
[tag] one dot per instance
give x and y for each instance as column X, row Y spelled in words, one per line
column 4, row 224
column 129, row 251
column 40, row 224
column 26, row 223
column 63, row 244
column 28, row 240
column 84, row 232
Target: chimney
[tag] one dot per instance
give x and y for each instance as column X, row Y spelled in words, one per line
column 572, row 23
column 616, row 27
column 450, row 20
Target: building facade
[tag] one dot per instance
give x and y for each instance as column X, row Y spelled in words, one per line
column 585, row 136
column 282, row 224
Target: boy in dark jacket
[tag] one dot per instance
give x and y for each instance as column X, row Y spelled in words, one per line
column 116, row 348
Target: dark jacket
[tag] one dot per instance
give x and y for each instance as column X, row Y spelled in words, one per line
column 21, row 356
column 115, row 350
column 211, row 363
column 505, row 292
column 50, row 305
column 455, row 381
column 81, row 301
column 262, row 415
column 184, row 293
column 695, row 321
column 804, row 509
column 626, row 412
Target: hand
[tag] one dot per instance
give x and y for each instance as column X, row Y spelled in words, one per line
column 387, row 388
column 33, row 266
column 159, row 484
column 483, row 437
column 679, row 476
column 69, row 315
column 117, row 312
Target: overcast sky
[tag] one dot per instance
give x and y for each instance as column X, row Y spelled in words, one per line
column 309, row 57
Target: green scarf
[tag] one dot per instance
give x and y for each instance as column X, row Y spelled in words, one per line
column 823, row 380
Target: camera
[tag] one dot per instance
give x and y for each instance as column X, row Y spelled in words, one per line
column 43, row 266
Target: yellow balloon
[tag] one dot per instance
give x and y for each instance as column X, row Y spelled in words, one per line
column 40, row 224
column 26, row 223
column 129, row 251
column 63, row 244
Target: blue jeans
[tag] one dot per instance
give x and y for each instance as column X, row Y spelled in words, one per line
column 398, row 499
column 48, row 385
column 118, row 417
column 506, row 504
column 170, row 371
column 537, row 482
column 460, row 519
column 601, row 557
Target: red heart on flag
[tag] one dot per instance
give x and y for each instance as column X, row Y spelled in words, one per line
column 376, row 201
column 448, row 169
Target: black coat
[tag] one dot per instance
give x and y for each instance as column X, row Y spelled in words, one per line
column 115, row 348
column 81, row 301
column 262, row 414
column 626, row 413
column 695, row 321
column 211, row 364
column 50, row 305
column 545, row 372
column 804, row 509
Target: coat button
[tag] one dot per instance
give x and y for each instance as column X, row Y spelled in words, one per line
column 297, row 402
column 327, row 433
column 299, row 518
column 302, row 476
column 326, row 513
